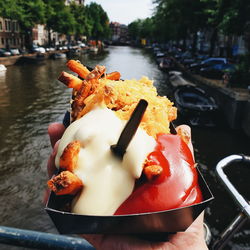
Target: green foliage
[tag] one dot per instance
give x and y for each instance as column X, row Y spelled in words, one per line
column 241, row 77
column 99, row 21
column 83, row 25
column 27, row 12
column 59, row 17
column 10, row 8
column 178, row 19
column 90, row 20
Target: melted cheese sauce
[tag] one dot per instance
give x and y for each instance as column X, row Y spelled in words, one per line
column 108, row 181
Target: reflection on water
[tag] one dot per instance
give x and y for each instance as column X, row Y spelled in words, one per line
column 31, row 98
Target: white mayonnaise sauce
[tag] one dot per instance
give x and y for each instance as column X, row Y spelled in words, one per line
column 108, row 181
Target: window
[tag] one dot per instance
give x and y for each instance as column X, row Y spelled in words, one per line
column 1, row 25
column 2, row 40
column 6, row 25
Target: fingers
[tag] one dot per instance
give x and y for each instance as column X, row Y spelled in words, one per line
column 122, row 242
column 55, row 131
column 51, row 168
column 197, row 225
column 185, row 132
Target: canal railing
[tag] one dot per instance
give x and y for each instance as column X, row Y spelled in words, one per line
column 243, row 204
column 233, row 103
column 40, row 240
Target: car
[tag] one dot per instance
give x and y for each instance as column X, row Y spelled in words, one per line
column 4, row 52
column 37, row 49
column 195, row 67
column 14, row 52
column 218, row 70
column 50, row 49
column 82, row 45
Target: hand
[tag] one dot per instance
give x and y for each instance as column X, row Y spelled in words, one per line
column 55, row 131
column 192, row 238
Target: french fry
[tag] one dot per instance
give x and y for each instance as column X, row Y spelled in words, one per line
column 96, row 73
column 185, row 136
column 152, row 171
column 65, row 183
column 70, row 80
column 78, row 68
column 114, row 76
column 69, row 157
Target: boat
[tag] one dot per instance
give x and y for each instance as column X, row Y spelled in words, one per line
column 176, row 79
column 58, row 56
column 166, row 64
column 195, row 106
column 93, row 50
column 33, row 59
column 2, row 68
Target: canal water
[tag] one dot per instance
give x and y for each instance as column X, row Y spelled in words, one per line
column 31, row 98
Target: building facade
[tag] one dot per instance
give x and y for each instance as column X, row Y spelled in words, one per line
column 68, row 2
column 39, row 35
column 119, row 32
column 10, row 34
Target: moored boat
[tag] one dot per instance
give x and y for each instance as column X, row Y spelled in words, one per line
column 37, row 59
column 58, row 56
column 93, row 50
column 176, row 79
column 195, row 106
column 2, row 68
column 166, row 64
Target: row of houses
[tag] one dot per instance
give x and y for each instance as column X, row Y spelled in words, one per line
column 12, row 37
column 119, row 33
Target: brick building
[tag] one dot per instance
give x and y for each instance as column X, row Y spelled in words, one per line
column 10, row 35
column 119, row 32
column 68, row 2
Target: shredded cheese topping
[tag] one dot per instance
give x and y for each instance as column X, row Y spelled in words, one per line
column 123, row 96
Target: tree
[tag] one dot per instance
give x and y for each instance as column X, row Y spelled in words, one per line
column 236, row 19
column 134, row 30
column 59, row 18
column 99, row 21
column 83, row 23
column 26, row 12
column 179, row 18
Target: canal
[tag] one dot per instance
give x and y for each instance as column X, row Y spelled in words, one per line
column 31, row 98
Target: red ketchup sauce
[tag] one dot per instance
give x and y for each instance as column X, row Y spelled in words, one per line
column 177, row 186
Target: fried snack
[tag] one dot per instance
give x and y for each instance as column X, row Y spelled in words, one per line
column 70, row 80
column 96, row 73
column 114, row 76
column 121, row 97
column 65, row 183
column 101, row 105
column 78, row 68
column 69, row 157
column 152, row 171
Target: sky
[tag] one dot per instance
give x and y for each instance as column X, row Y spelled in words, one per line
column 125, row 11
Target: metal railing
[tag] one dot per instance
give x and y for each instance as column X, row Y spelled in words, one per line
column 40, row 240
column 243, row 204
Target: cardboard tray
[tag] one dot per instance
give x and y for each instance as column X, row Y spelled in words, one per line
column 157, row 223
